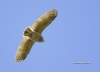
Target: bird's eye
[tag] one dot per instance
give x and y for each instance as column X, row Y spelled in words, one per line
column 26, row 32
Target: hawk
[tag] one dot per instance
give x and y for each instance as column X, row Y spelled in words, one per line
column 34, row 34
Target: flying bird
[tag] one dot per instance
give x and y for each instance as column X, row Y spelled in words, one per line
column 34, row 34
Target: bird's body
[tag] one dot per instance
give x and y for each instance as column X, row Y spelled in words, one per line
column 32, row 35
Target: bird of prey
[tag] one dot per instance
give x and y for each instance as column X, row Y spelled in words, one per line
column 34, row 34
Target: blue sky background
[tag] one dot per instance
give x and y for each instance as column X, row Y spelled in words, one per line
column 74, row 36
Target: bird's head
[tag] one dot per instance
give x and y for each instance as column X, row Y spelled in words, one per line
column 27, row 32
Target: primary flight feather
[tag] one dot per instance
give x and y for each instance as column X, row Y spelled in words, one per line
column 32, row 35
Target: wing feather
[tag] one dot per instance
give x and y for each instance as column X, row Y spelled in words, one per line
column 24, row 49
column 44, row 21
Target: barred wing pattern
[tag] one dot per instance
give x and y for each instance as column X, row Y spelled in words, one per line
column 44, row 21
column 38, row 26
column 24, row 49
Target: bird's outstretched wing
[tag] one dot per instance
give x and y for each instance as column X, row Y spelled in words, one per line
column 24, row 49
column 44, row 21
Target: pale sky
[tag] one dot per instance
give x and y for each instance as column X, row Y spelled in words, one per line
column 74, row 36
